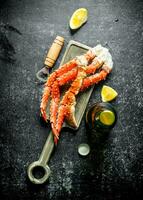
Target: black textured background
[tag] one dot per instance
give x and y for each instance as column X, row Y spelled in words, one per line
column 114, row 169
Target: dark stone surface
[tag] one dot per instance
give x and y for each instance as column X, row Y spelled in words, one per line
column 113, row 170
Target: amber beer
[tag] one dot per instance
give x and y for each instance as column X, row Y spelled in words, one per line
column 101, row 117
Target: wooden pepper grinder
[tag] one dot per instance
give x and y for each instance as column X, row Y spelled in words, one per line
column 51, row 58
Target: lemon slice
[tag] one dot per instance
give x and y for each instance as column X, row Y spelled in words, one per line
column 108, row 93
column 78, row 18
column 107, row 117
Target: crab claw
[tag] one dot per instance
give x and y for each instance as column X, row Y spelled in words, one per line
column 43, row 114
column 70, row 112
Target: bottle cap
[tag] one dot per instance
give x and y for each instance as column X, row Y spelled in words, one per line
column 83, row 149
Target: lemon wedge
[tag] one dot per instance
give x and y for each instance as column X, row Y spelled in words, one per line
column 108, row 93
column 107, row 117
column 78, row 18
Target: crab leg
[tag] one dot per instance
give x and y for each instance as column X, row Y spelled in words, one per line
column 67, row 77
column 55, row 99
column 46, row 94
column 71, row 75
column 79, row 60
column 67, row 105
column 94, row 79
column 48, row 85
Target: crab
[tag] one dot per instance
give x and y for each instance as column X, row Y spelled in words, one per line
column 81, row 72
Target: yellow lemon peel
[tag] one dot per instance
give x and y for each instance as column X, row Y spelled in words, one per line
column 78, row 18
column 108, row 93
